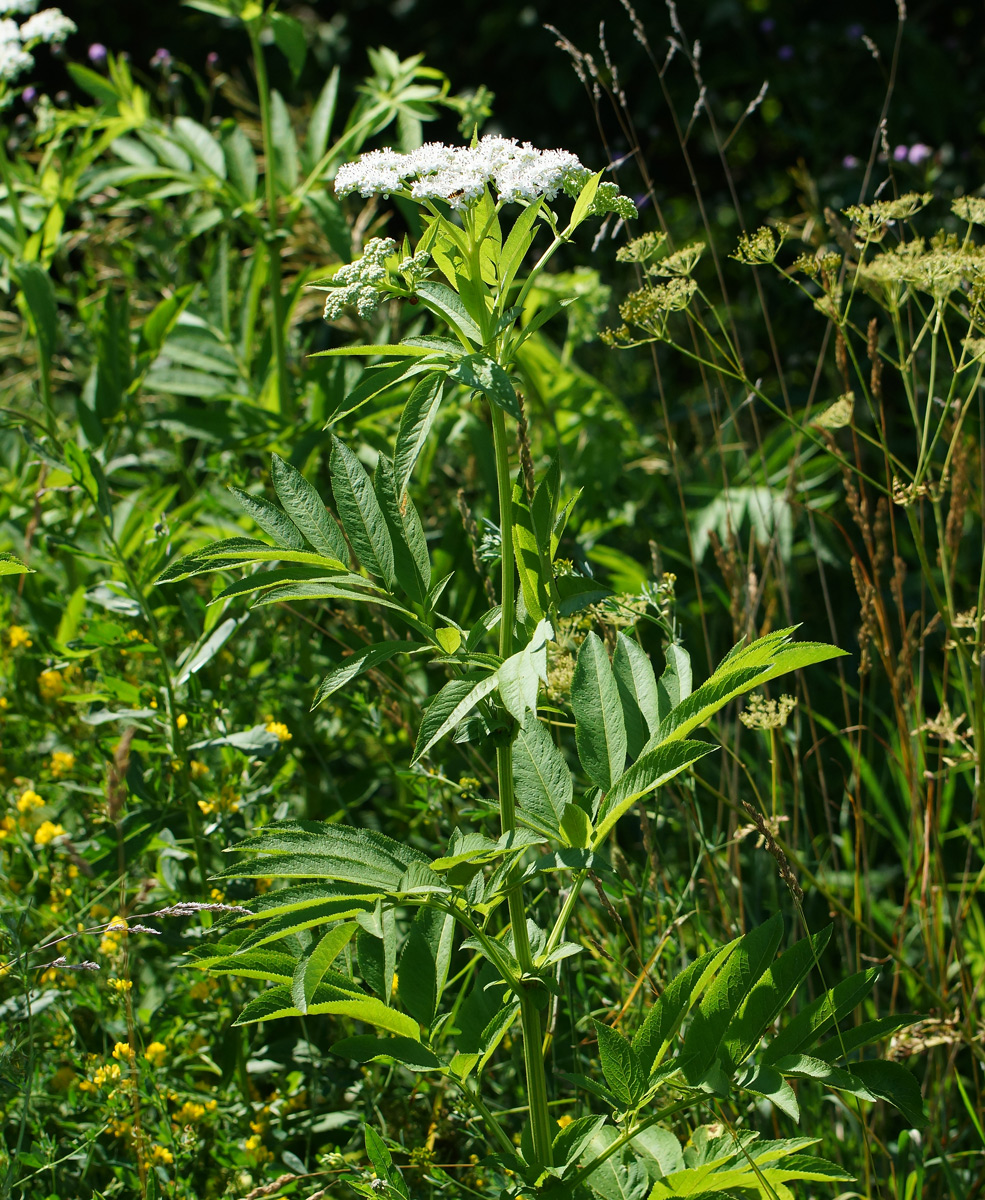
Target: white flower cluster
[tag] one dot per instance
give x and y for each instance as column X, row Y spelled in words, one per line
column 459, row 174
column 357, row 283
column 49, row 25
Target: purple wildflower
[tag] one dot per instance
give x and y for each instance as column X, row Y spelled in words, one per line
column 97, row 53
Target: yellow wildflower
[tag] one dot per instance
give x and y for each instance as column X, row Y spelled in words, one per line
column 49, row 976
column 189, row 1113
column 565, row 1121
column 73, row 871
column 18, row 636
column 4, row 702
column 217, row 896
column 28, row 800
column 207, row 807
column 50, row 685
column 62, row 761
column 202, row 989
column 123, row 1050
column 63, row 1079
column 161, row 1154
column 279, row 729
column 156, row 1054
column 7, row 825
column 87, row 1086
column 110, row 1073
column 121, row 985
column 181, row 720
column 117, row 922
column 46, row 833
column 197, row 769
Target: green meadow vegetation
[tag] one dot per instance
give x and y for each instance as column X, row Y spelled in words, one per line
column 491, row 688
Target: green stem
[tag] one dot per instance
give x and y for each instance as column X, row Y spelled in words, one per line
column 540, row 1123
column 272, row 237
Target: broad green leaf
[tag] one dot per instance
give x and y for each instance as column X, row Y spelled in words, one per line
column 520, row 675
column 331, row 591
column 277, row 1002
column 769, row 1083
column 360, row 514
column 675, row 682
column 541, row 780
column 415, row 425
column 409, row 1053
column 11, row 565
column 322, row 115
column 487, row 376
column 744, row 968
column 771, row 995
column 637, row 691
column 363, row 660
column 202, row 146
column 672, row 1005
column 423, row 967
column 307, row 510
column 258, row 581
column 600, row 732
column 310, row 970
column 241, row 162
column 806, row 1027
column 409, row 349
column 376, row 949
column 205, row 649
column 285, row 166
column 451, row 706
column 620, row 1066
column 622, row 1176
column 532, row 558
column 240, row 552
column 651, row 770
column 449, row 304
column 271, row 519
column 276, row 927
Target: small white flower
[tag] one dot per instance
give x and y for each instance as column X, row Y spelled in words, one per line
column 13, row 62
column 17, row 6
column 10, row 31
column 49, row 25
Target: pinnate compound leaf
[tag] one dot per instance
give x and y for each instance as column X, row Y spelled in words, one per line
column 600, row 732
column 541, row 780
column 360, row 514
column 307, row 510
column 363, row 660
column 310, row 970
column 745, row 966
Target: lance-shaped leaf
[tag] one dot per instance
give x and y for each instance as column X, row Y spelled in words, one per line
column 541, row 780
column 650, row 771
column 277, row 1002
column 241, row 552
column 411, row 563
column 451, row 706
column 771, row 995
column 533, row 563
column 744, row 968
column 293, row 849
column 424, row 962
column 311, row 969
column 637, row 691
column 415, row 425
column 273, row 966
column 808, row 1025
column 654, row 1036
column 447, row 302
column 600, row 732
column 363, row 660
column 10, row 565
column 517, row 244
column 307, row 510
column 272, row 520
column 520, row 675
column 360, row 513
column 675, row 682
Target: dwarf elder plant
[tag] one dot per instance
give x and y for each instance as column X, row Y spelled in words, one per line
column 365, row 927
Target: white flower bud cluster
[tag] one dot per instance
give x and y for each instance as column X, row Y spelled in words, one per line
column 50, row 25
column 357, row 283
column 415, row 268
column 460, row 174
